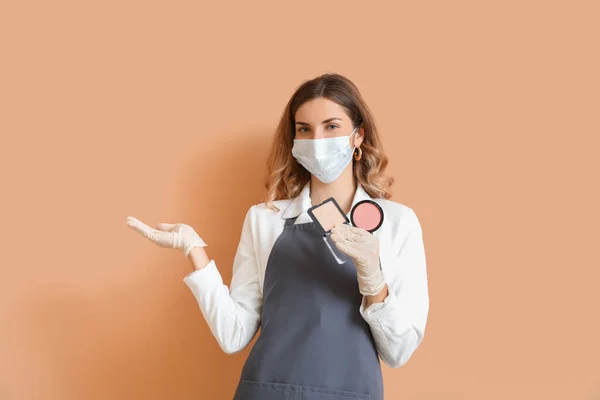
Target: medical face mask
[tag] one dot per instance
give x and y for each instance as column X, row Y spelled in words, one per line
column 325, row 158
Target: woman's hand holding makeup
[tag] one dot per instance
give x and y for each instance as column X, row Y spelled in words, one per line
column 175, row 236
column 363, row 247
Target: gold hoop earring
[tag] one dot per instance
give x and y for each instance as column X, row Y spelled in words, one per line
column 359, row 154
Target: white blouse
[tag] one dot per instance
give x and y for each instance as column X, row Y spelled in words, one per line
column 397, row 324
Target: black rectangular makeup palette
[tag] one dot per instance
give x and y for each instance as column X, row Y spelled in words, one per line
column 327, row 214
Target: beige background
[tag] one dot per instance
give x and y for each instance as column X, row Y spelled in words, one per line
column 489, row 112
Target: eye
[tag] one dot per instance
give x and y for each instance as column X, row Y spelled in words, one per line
column 333, row 125
column 300, row 129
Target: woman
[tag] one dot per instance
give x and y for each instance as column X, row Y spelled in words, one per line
column 324, row 325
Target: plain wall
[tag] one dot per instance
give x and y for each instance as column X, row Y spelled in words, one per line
column 489, row 112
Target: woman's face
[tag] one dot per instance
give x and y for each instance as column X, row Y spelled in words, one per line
column 322, row 118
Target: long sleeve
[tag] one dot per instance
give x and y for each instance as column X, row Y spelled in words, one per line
column 233, row 314
column 398, row 324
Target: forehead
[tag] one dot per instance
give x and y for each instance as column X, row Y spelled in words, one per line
column 319, row 109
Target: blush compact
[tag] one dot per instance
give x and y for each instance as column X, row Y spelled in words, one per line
column 367, row 214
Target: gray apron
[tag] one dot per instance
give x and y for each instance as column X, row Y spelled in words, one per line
column 314, row 344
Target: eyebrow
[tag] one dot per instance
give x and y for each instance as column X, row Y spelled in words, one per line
column 324, row 122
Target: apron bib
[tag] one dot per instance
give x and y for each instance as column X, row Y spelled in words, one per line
column 314, row 344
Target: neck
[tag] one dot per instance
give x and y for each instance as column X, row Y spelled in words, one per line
column 342, row 189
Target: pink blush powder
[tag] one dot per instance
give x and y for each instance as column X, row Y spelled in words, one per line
column 367, row 216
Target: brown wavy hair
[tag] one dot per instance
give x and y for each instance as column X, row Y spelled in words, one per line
column 286, row 177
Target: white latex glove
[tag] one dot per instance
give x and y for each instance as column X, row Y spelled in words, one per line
column 176, row 236
column 363, row 247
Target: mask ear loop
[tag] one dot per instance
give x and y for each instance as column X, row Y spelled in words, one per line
column 349, row 136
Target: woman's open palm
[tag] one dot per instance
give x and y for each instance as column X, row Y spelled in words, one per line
column 175, row 236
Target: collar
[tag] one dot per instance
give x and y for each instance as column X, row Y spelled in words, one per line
column 302, row 202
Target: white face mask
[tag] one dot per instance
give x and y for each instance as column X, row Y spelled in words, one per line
column 325, row 158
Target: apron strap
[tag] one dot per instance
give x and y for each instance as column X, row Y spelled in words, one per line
column 290, row 221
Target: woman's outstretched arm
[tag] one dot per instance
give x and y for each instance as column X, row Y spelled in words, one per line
column 232, row 313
